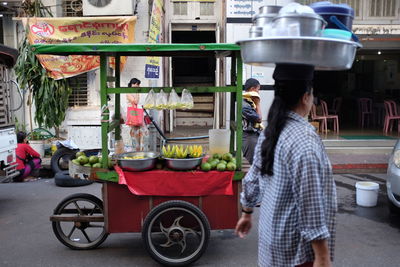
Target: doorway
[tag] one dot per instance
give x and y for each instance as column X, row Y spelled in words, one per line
column 194, row 71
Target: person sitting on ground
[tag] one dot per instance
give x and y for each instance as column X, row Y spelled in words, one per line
column 251, row 113
column 28, row 159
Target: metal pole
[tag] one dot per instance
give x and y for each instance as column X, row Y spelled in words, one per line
column 105, row 112
column 239, row 128
column 118, row 96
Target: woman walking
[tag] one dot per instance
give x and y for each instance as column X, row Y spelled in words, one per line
column 298, row 208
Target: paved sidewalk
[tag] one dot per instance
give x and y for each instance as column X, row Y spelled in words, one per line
column 356, row 163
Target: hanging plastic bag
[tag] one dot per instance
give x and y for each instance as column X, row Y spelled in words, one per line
column 134, row 116
column 150, row 101
column 161, row 100
column 186, row 100
column 173, row 100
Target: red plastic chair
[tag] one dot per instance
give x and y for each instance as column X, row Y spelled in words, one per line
column 365, row 113
column 391, row 115
column 323, row 128
column 334, row 118
column 336, row 105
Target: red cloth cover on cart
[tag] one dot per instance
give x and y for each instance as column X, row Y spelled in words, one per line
column 169, row 183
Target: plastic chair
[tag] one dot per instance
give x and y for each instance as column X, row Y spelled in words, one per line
column 365, row 111
column 334, row 118
column 323, row 128
column 391, row 114
column 336, row 105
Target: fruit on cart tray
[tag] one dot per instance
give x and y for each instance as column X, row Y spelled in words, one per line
column 221, row 167
column 181, row 152
column 83, row 159
column 93, row 160
column 195, row 151
column 205, row 166
column 227, row 157
column 134, row 157
column 217, row 156
column 80, row 153
column 226, row 162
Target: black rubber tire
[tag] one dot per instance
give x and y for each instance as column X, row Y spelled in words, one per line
column 61, row 153
column 179, row 205
column 393, row 208
column 58, row 231
column 63, row 179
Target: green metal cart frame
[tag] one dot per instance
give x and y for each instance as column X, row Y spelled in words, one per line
column 105, row 51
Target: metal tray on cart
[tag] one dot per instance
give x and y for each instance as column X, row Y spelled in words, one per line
column 323, row 53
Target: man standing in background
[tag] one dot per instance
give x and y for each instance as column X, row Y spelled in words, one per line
column 251, row 113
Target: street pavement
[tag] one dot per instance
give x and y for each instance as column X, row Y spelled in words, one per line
column 365, row 236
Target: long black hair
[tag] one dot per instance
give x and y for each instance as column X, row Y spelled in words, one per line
column 134, row 81
column 288, row 95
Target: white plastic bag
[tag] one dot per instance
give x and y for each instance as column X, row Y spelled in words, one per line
column 150, row 101
column 173, row 100
column 161, row 100
column 186, row 100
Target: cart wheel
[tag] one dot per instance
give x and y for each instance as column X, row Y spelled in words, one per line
column 176, row 233
column 80, row 234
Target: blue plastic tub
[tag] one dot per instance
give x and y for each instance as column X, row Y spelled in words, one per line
column 336, row 34
column 343, row 12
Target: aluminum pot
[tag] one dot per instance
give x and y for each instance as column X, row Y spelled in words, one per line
column 293, row 24
column 265, row 16
column 183, row 164
column 256, row 31
column 147, row 163
column 269, row 9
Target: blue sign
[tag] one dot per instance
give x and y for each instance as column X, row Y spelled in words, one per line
column 152, row 72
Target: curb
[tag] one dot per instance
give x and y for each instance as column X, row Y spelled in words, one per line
column 360, row 167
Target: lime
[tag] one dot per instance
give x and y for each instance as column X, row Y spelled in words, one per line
column 231, row 166
column 233, row 160
column 227, row 157
column 223, row 161
column 93, row 160
column 97, row 165
column 83, row 160
column 76, row 161
column 221, row 167
column 80, row 153
column 210, row 159
column 217, row 156
column 214, row 164
column 206, row 166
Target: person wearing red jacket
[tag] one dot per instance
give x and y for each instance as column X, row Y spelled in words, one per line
column 27, row 159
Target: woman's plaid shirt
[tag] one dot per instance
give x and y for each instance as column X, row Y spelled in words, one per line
column 298, row 201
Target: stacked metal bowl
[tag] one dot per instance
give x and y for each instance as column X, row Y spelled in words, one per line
column 292, row 34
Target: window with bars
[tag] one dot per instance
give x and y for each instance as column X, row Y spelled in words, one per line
column 72, row 8
column 382, row 8
column 180, row 8
column 79, row 95
column 207, row 9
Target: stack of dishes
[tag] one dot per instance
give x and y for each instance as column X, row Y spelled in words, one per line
column 296, row 34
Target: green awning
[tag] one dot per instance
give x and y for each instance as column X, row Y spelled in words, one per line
column 207, row 49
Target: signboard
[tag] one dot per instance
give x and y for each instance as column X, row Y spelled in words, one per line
column 152, row 67
column 242, row 8
column 105, row 30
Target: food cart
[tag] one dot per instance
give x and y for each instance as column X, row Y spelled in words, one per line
column 174, row 211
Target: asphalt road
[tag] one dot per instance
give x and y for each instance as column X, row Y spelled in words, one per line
column 365, row 236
